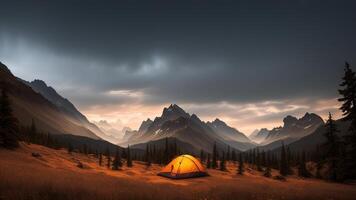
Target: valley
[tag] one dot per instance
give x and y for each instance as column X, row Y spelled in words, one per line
column 55, row 175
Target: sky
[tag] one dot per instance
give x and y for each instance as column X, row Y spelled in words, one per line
column 249, row 63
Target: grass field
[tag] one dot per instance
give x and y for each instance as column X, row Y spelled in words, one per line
column 55, row 175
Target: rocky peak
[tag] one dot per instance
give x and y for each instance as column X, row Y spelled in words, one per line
column 144, row 125
column 217, row 122
column 289, row 121
column 173, row 112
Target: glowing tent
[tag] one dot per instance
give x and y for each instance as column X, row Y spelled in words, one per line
column 184, row 166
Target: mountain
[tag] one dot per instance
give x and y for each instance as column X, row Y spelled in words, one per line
column 111, row 131
column 295, row 128
column 65, row 106
column 176, row 123
column 227, row 132
column 317, row 138
column 259, row 135
column 30, row 105
column 51, row 95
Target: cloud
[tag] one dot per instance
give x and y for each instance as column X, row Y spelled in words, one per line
column 250, row 63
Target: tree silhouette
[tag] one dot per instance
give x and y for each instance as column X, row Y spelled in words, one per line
column 332, row 148
column 241, row 168
column 302, row 169
column 8, row 123
column 348, row 107
column 283, row 169
column 117, row 163
column 223, row 162
column 214, row 164
column 100, row 159
column 129, row 160
column 208, row 162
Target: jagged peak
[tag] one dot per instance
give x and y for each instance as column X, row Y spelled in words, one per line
column 39, row 82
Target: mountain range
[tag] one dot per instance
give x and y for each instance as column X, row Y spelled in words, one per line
column 174, row 122
column 52, row 113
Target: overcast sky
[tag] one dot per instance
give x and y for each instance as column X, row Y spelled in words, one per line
column 250, row 63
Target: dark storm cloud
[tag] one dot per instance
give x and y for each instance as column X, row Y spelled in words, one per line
column 187, row 51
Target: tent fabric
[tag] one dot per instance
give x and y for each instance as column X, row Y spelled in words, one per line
column 184, row 166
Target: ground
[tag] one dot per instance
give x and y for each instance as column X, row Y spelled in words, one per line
column 55, row 175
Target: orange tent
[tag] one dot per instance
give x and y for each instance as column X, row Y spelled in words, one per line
column 184, row 166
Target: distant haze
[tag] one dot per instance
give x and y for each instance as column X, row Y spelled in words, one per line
column 249, row 63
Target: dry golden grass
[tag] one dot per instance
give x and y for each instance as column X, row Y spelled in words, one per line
column 56, row 176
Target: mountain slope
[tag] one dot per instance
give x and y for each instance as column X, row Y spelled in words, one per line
column 29, row 105
column 68, row 108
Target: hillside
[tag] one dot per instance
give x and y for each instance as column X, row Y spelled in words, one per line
column 55, row 175
column 29, row 105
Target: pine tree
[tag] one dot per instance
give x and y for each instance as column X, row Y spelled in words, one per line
column 233, row 155
column 8, row 123
column 70, row 148
column 129, row 160
column 100, row 159
column 148, row 156
column 208, row 162
column 33, row 132
column 283, row 170
column 332, row 148
column 241, row 168
column 223, row 162
column 302, row 169
column 109, row 160
column 289, row 160
column 117, row 163
column 228, row 156
column 202, row 159
column 214, row 164
column 258, row 160
column 348, row 93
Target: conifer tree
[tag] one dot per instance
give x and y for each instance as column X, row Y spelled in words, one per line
column 100, row 159
column 129, row 160
column 233, row 155
column 117, row 163
column 223, row 162
column 202, row 156
column 147, row 155
column 332, row 148
column 33, row 132
column 348, row 93
column 283, row 169
column 241, row 168
column 109, row 160
column 8, row 123
column 288, row 161
column 166, row 152
column 208, row 162
column 228, row 158
column 214, row 164
column 302, row 169
column 258, row 160
column 70, row 148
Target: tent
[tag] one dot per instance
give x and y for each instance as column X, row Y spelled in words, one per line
column 184, row 166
